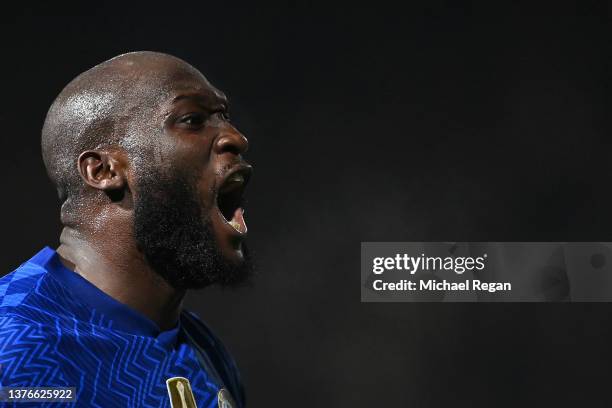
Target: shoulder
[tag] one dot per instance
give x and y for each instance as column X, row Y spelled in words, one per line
column 224, row 362
column 28, row 327
column 32, row 294
column 27, row 355
column 17, row 286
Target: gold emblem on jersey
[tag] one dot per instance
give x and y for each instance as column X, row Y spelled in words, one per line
column 180, row 393
column 225, row 400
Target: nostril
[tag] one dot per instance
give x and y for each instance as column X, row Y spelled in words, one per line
column 225, row 145
column 232, row 143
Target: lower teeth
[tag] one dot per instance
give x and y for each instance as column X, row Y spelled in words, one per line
column 235, row 224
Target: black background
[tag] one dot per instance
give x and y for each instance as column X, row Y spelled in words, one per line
column 439, row 121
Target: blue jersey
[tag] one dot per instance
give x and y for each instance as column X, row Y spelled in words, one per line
column 59, row 330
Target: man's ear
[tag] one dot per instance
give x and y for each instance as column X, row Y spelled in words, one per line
column 104, row 169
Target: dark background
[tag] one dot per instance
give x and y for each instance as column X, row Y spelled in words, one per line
column 440, row 121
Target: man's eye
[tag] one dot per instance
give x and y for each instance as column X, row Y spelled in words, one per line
column 193, row 119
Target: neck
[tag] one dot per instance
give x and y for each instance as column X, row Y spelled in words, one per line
column 116, row 267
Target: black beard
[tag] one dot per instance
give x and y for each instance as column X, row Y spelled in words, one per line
column 176, row 242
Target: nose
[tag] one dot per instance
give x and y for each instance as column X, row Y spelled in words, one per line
column 231, row 141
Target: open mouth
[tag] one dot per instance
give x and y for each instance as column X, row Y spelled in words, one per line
column 230, row 198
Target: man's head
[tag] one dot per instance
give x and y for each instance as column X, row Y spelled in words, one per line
column 144, row 138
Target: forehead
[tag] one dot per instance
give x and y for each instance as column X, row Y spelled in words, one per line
column 181, row 82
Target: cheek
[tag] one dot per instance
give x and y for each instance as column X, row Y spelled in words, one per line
column 206, row 191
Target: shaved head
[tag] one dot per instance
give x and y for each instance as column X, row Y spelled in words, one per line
column 99, row 108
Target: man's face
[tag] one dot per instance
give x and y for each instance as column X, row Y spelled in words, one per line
column 188, row 214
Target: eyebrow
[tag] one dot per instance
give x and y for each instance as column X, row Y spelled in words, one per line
column 203, row 99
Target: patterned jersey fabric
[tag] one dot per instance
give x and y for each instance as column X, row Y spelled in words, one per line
column 59, row 330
